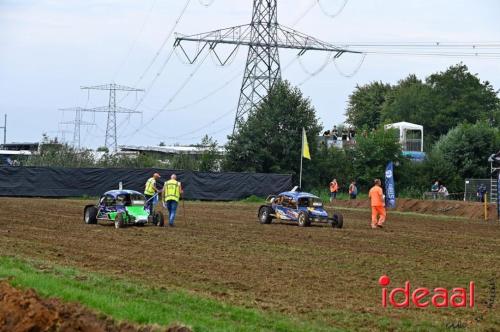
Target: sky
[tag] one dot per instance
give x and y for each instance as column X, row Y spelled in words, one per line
column 49, row 49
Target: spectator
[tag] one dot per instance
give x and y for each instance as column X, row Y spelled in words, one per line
column 344, row 134
column 435, row 189
column 481, row 191
column 335, row 131
column 352, row 134
column 334, row 188
column 443, row 191
column 353, row 190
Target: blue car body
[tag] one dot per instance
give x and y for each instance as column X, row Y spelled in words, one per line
column 295, row 202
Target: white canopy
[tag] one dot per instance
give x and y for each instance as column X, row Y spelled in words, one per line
column 409, row 143
column 405, row 125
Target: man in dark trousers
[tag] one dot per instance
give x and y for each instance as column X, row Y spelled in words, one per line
column 150, row 190
column 172, row 191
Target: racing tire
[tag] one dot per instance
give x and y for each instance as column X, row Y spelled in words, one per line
column 119, row 221
column 158, row 219
column 90, row 215
column 265, row 215
column 337, row 220
column 303, row 219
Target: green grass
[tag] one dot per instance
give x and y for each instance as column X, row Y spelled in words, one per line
column 124, row 300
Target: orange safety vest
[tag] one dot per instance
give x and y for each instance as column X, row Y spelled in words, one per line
column 334, row 187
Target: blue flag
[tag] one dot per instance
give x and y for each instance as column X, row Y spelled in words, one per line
column 390, row 190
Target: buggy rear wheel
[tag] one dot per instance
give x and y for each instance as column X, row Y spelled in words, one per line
column 304, row 219
column 158, row 219
column 90, row 215
column 265, row 215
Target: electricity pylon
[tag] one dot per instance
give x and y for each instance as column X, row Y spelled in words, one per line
column 112, row 109
column 264, row 36
column 77, row 124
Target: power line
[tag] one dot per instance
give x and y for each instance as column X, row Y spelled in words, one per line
column 164, row 42
column 164, row 108
column 304, row 14
column 134, row 42
column 354, row 72
column 285, row 68
column 206, row 3
column 334, row 14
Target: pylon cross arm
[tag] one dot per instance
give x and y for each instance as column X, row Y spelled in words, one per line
column 240, row 35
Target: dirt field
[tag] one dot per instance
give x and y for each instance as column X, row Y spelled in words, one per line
column 26, row 311
column 315, row 273
column 470, row 210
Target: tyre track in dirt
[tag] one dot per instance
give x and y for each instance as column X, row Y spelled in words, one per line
column 222, row 251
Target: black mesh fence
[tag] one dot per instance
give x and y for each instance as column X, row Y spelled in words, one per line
column 75, row 182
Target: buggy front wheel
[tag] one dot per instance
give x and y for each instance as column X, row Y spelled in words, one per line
column 265, row 215
column 337, row 220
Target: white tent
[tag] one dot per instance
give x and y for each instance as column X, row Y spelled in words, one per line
column 411, row 136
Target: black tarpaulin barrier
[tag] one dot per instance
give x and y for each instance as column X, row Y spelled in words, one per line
column 75, row 182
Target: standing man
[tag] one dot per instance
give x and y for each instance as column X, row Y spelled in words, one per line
column 377, row 198
column 353, row 190
column 172, row 191
column 150, row 190
column 334, row 188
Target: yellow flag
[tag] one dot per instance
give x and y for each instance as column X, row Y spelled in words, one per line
column 305, row 146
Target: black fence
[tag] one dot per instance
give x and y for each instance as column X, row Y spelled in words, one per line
column 75, row 182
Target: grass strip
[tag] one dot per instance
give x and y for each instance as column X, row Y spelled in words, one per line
column 127, row 301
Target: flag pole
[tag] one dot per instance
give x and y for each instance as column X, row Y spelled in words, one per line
column 301, row 157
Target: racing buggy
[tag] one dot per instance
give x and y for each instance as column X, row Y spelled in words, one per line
column 300, row 207
column 122, row 207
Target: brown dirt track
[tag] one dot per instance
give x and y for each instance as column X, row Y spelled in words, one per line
column 26, row 311
column 221, row 251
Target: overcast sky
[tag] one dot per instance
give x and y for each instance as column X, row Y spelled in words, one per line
column 49, row 48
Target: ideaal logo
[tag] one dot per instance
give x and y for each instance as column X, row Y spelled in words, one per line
column 423, row 297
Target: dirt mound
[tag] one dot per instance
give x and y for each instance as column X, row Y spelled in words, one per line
column 26, row 311
column 471, row 210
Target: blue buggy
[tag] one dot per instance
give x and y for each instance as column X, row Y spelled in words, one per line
column 300, row 207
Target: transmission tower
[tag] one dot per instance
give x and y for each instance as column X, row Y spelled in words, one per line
column 112, row 109
column 77, row 123
column 264, row 36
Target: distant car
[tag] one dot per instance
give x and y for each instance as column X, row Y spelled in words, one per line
column 122, row 207
column 300, row 207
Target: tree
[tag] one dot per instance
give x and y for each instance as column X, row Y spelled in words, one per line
column 372, row 153
column 365, row 105
column 270, row 139
column 463, row 153
column 327, row 164
column 210, row 158
column 460, row 96
column 411, row 100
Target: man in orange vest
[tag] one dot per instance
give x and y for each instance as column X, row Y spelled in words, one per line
column 377, row 198
column 334, row 188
